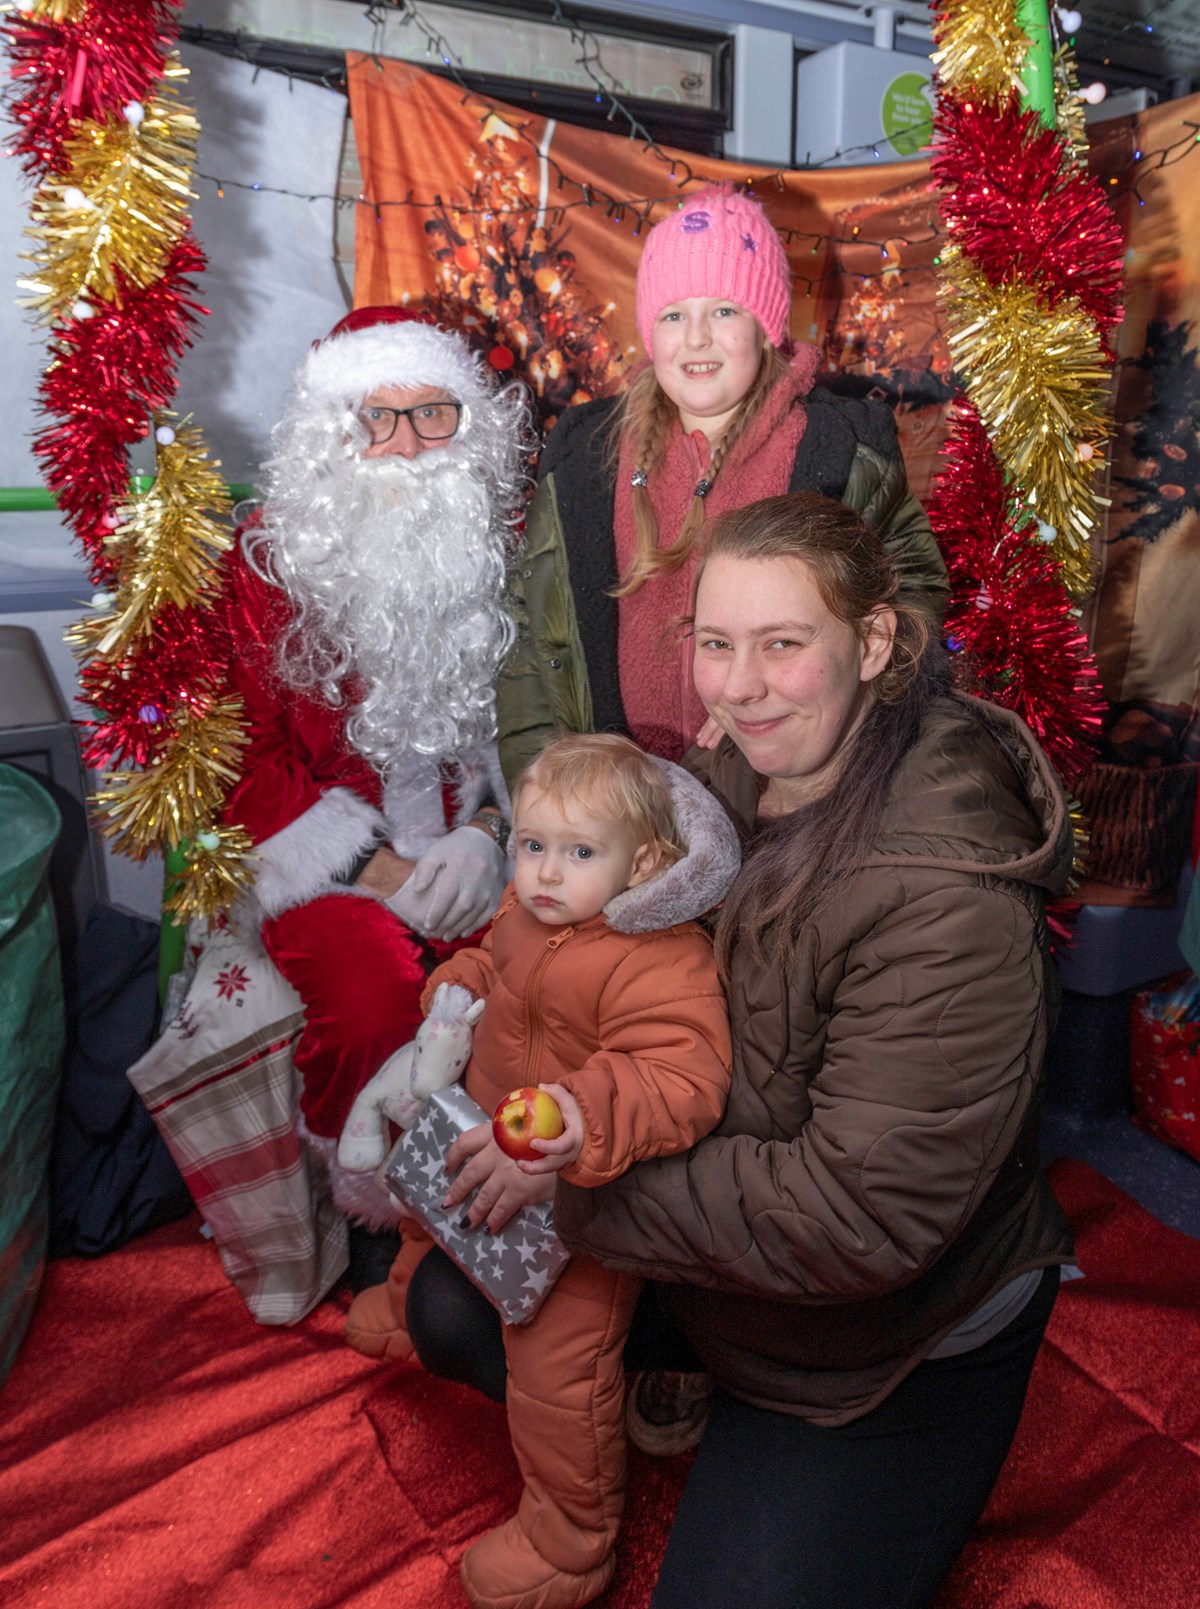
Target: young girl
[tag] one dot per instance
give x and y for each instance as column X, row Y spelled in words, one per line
column 601, row 988
column 719, row 417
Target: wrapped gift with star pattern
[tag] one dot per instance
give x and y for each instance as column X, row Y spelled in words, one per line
column 515, row 1268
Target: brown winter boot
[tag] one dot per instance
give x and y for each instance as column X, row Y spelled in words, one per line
column 503, row 1570
column 375, row 1323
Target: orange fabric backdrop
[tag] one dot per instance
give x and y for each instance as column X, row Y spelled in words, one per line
column 495, row 230
column 419, row 137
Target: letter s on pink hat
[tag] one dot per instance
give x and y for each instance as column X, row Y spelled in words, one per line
column 718, row 244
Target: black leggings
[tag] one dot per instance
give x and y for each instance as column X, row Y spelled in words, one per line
column 780, row 1513
column 457, row 1331
column 783, row 1514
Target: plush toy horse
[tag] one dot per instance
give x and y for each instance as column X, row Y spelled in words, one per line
column 434, row 1059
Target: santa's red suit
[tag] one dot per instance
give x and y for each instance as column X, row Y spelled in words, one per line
column 312, row 802
column 311, row 805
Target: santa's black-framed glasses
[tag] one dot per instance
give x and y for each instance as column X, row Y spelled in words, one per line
column 431, row 421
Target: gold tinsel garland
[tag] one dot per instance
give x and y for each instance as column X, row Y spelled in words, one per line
column 1035, row 368
column 176, row 799
column 165, row 550
column 119, row 209
column 980, row 50
column 110, row 216
column 1038, row 378
column 1069, row 116
column 213, row 876
column 59, row 10
column 167, row 544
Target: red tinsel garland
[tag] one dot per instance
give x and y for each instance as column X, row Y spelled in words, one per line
column 1025, row 215
column 110, row 372
column 1011, row 624
column 183, row 667
column 166, row 730
column 1017, row 210
column 89, row 68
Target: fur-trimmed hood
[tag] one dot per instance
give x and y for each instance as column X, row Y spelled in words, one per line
column 698, row 882
column 694, row 885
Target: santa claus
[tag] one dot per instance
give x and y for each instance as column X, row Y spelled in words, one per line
column 365, row 606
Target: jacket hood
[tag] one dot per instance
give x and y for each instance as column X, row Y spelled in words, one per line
column 694, row 884
column 975, row 794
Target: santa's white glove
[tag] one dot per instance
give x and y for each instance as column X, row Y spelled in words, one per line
column 455, row 886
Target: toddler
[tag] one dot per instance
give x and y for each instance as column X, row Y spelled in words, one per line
column 600, row 987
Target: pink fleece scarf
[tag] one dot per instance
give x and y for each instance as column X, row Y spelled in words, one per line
column 654, row 661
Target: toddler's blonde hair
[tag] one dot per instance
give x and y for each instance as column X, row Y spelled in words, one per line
column 608, row 776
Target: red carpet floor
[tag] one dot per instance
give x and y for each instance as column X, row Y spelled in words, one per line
column 159, row 1449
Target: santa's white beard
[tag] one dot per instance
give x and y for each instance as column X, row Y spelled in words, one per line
column 395, row 570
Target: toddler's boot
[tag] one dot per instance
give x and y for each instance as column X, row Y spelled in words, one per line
column 557, row 1551
column 505, row 1571
column 375, row 1323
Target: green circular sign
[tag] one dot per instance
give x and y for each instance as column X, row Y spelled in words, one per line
column 906, row 112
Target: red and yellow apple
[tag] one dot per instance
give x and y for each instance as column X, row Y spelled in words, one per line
column 524, row 1115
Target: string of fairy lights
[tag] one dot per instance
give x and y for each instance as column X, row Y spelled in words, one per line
column 642, row 208
column 112, row 146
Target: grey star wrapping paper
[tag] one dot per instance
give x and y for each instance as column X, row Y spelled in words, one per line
column 515, row 1268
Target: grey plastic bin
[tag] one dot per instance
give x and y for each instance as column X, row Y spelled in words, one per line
column 37, row 736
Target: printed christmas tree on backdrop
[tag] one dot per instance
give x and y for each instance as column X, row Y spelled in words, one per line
column 868, row 321
column 507, row 278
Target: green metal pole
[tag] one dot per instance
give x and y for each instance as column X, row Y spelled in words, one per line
column 172, row 934
column 25, row 499
column 1037, row 73
column 36, row 499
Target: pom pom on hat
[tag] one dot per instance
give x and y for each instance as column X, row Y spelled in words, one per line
column 366, row 318
column 718, row 244
column 390, row 346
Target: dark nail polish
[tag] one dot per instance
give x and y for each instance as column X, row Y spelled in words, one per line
column 465, row 1223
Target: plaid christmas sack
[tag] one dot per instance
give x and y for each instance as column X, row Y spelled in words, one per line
column 221, row 1086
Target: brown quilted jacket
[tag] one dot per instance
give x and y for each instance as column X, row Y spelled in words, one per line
column 874, row 1179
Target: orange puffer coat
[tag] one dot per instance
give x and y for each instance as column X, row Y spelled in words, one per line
column 633, row 1024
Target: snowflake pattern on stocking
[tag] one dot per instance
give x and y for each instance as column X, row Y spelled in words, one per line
column 232, row 982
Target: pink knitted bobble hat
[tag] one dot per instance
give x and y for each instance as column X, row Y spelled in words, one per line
column 718, row 244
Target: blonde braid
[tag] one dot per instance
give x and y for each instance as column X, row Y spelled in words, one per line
column 659, row 416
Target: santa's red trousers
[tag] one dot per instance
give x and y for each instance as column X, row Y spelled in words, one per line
column 360, row 973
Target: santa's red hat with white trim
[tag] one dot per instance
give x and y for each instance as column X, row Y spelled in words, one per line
column 390, row 346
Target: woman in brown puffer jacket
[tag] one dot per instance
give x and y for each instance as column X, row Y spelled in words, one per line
column 864, row 1254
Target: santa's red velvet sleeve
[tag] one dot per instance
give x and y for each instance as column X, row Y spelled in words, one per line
column 310, row 804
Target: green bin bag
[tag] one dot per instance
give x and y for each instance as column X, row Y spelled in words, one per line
column 31, row 1046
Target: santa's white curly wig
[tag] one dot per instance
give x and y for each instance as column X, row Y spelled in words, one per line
column 394, row 568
